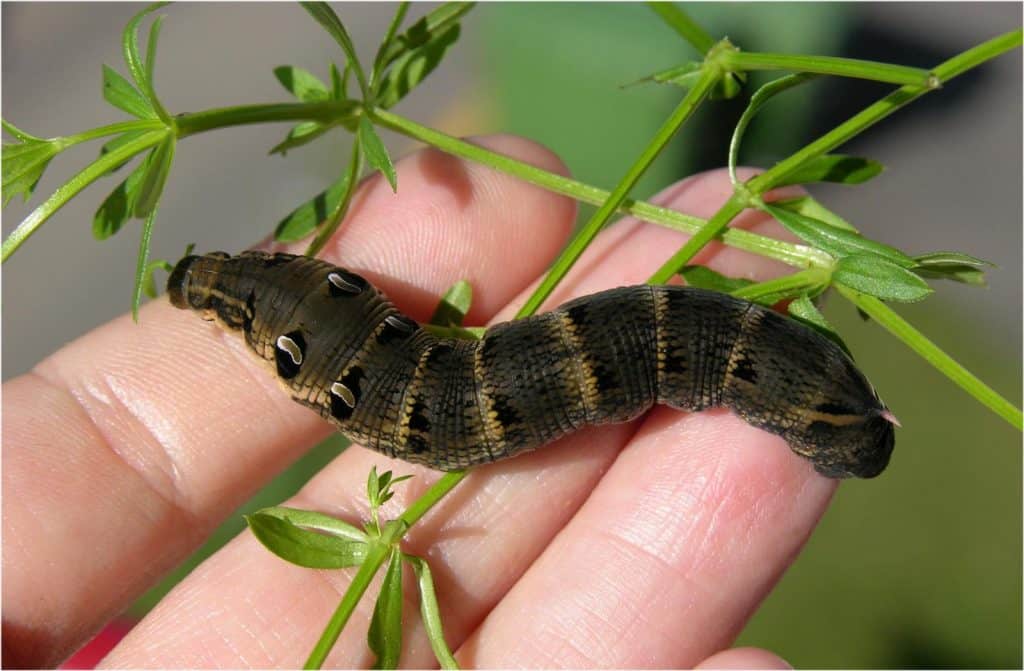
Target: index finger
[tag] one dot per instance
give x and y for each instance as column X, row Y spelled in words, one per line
column 136, row 440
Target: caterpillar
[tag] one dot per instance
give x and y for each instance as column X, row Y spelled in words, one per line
column 342, row 348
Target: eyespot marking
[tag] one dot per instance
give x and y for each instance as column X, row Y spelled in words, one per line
column 401, row 323
column 396, row 327
column 289, row 353
column 345, row 284
column 344, row 393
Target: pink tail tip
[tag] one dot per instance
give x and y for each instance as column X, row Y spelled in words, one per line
column 887, row 415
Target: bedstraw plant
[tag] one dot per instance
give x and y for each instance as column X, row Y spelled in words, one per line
column 359, row 100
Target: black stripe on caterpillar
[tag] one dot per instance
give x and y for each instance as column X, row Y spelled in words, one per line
column 343, row 349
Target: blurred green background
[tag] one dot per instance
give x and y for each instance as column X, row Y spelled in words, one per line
column 919, row 568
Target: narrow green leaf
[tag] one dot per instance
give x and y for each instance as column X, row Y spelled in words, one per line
column 835, row 241
column 157, row 169
column 119, row 92
column 301, row 134
column 431, row 613
column 148, row 282
column 138, row 69
column 703, row 277
column 304, row 219
column 117, row 208
column 413, row 67
column 454, row 305
column 301, row 83
column 376, row 153
column 963, row 274
column 389, row 38
column 809, row 207
column 338, row 85
column 955, row 266
column 805, row 311
column 880, row 278
column 24, row 163
column 154, row 34
column 304, row 547
column 757, row 101
column 385, row 635
column 325, row 16
column 373, row 487
column 309, row 519
column 142, row 262
column 951, row 258
column 683, row 76
column 426, row 29
column 836, row 168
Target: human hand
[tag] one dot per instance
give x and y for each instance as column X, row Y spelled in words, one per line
column 645, row 544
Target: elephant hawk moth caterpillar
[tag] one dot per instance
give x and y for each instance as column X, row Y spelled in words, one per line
column 343, row 349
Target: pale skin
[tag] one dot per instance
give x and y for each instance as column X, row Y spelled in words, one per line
column 646, row 544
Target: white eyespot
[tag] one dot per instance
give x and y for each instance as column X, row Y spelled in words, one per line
column 344, row 393
column 286, row 344
column 401, row 324
column 340, row 282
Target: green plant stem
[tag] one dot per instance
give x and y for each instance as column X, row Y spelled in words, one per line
column 114, row 129
column 715, row 226
column 431, row 497
column 794, row 255
column 931, row 353
column 72, row 187
column 709, row 78
column 829, row 65
column 333, row 222
column 686, row 27
column 881, row 109
column 376, row 554
column 223, row 117
column 812, row 280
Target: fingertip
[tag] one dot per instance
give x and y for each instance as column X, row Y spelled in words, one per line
column 744, row 658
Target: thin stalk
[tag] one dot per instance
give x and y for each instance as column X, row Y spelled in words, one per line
column 830, row 65
column 113, row 129
column 779, row 288
column 431, row 497
column 715, row 226
column 98, row 168
column 333, row 222
column 799, row 256
column 375, row 555
column 931, row 353
column 223, row 117
column 881, row 109
column 709, row 78
column 687, row 28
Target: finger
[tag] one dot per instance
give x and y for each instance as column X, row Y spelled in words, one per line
column 135, row 440
column 478, row 542
column 683, row 536
column 744, row 658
